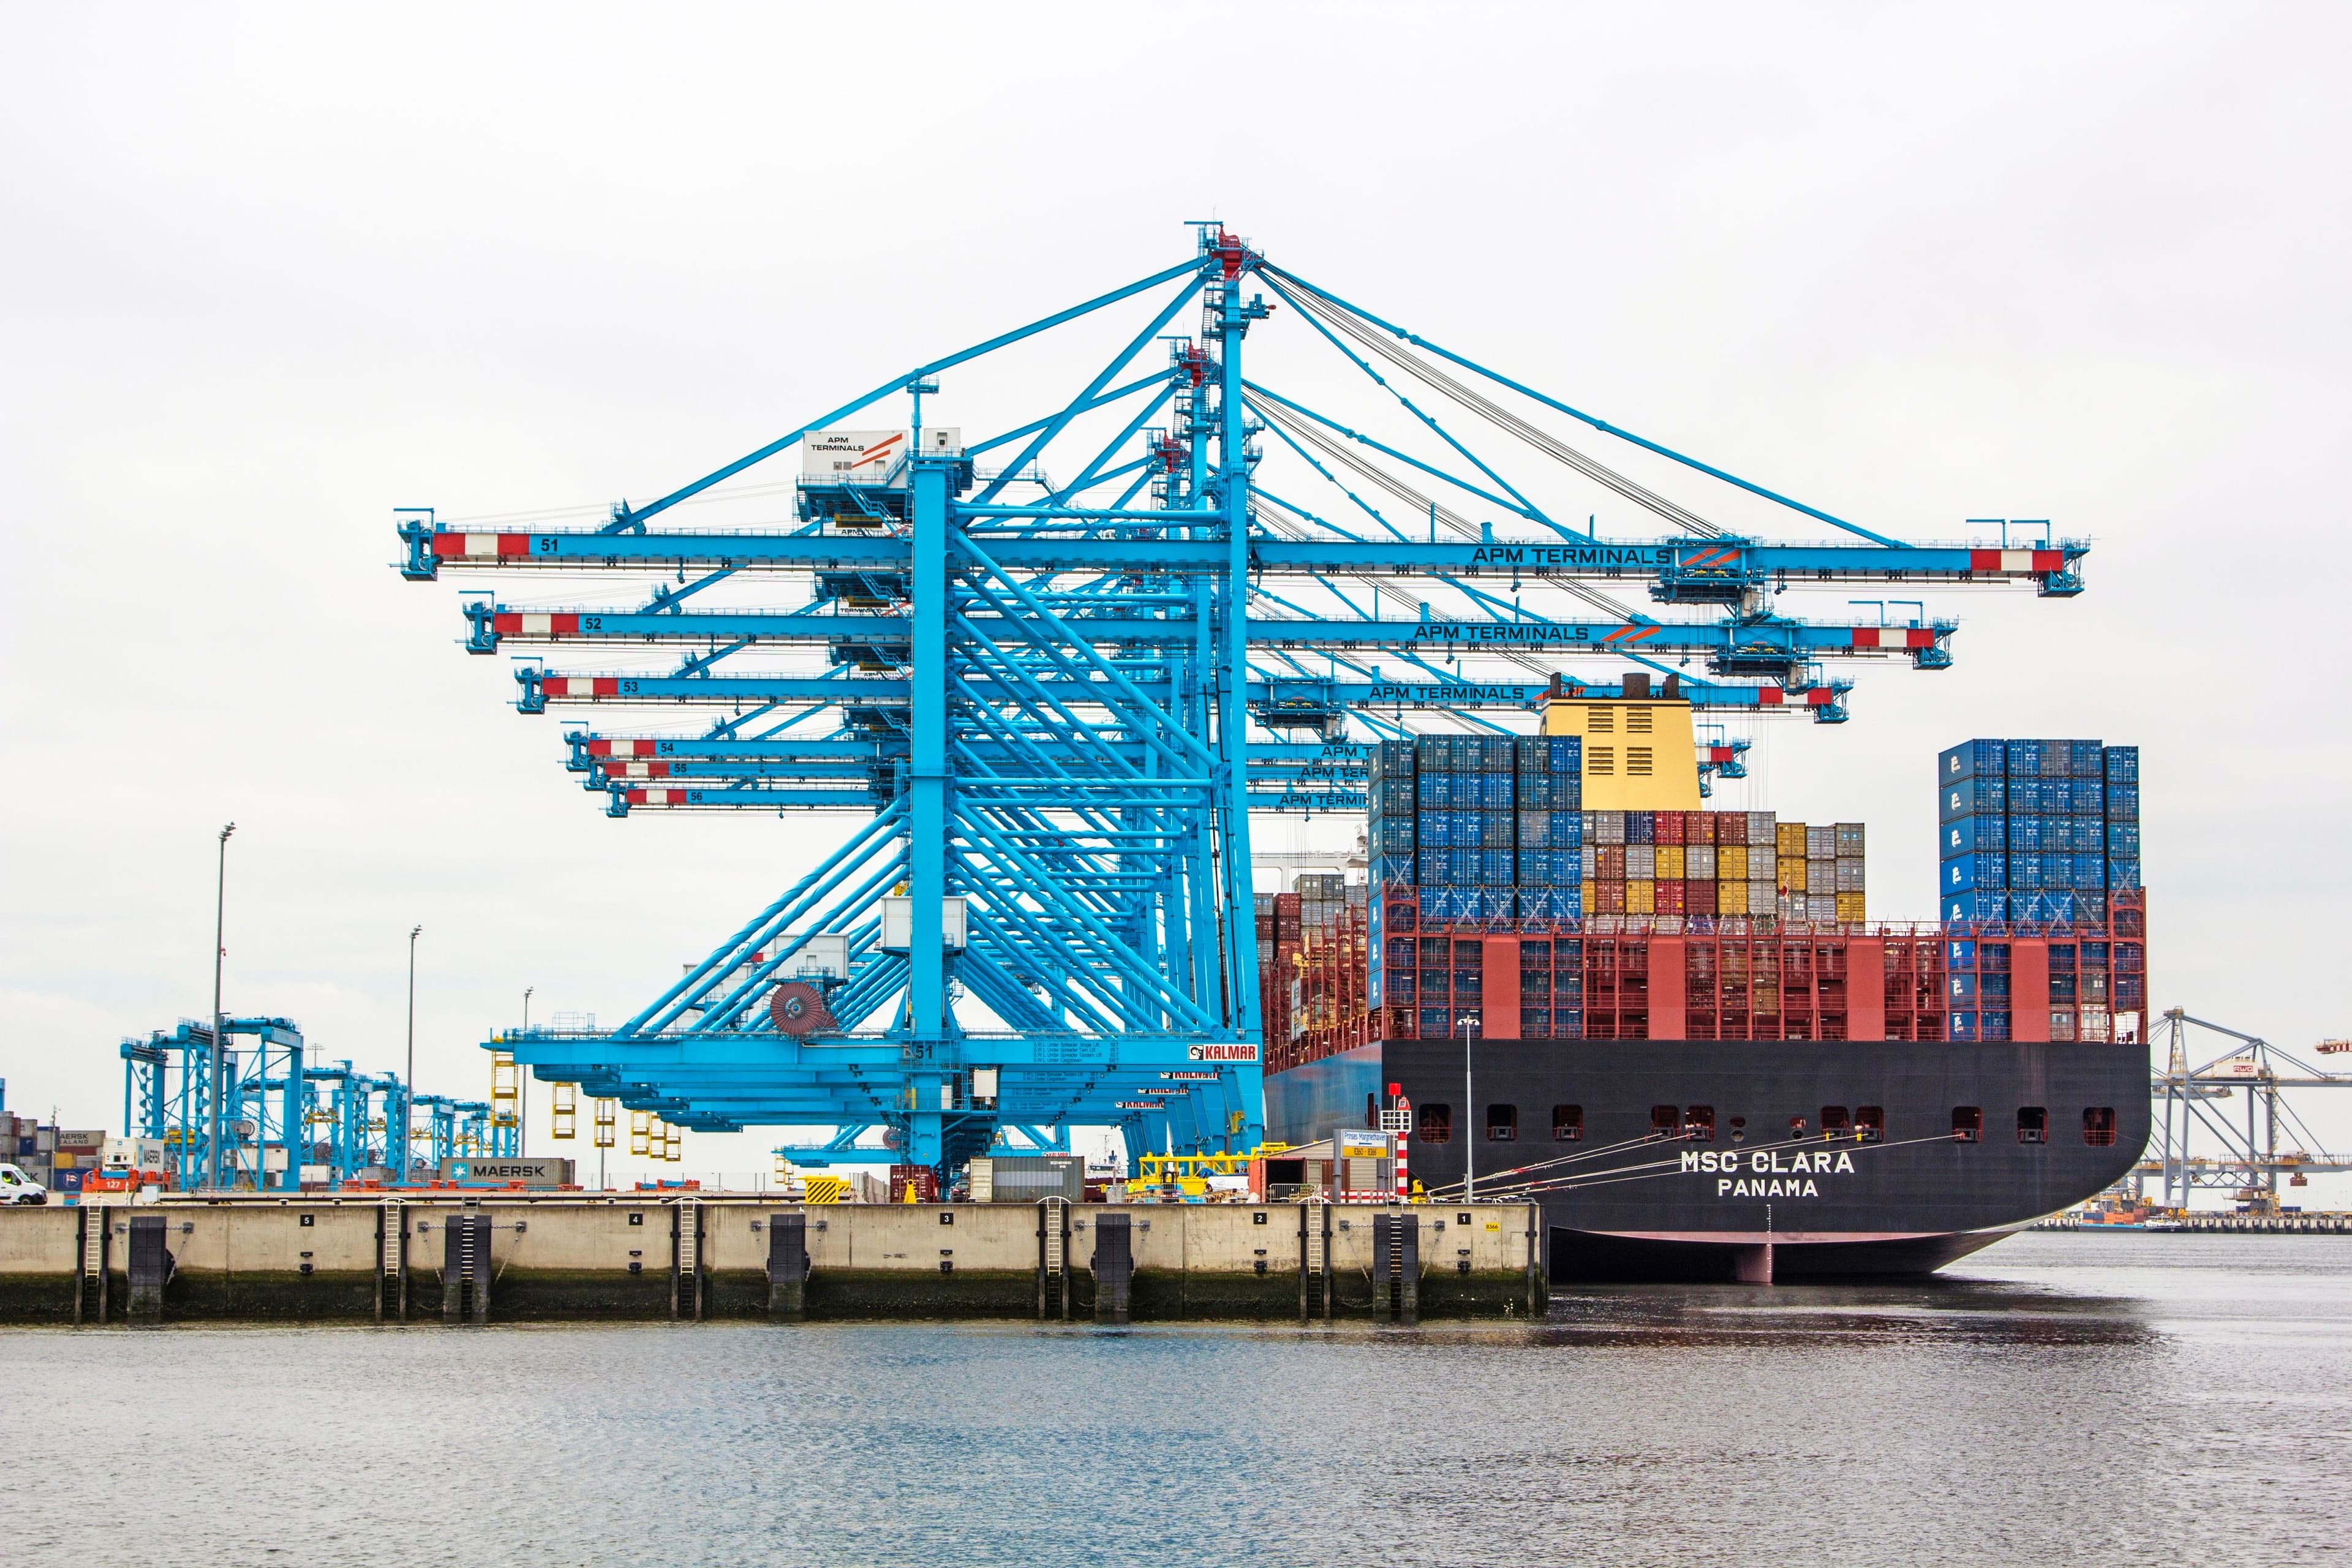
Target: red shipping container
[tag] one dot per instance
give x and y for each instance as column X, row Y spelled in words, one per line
column 1670, row 826
column 1730, row 827
column 1670, row 898
column 1609, row 866
column 1698, row 827
column 1612, row 894
column 925, row 1180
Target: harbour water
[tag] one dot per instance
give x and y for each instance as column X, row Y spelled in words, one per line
column 2059, row 1398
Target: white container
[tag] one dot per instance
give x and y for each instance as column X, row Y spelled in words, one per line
column 132, row 1155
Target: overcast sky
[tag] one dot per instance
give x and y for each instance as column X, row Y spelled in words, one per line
column 271, row 272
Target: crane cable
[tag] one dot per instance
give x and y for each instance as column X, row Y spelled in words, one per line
column 1355, row 327
column 1424, row 505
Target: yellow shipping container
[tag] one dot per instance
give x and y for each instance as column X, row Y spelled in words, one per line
column 1850, row 908
column 1792, row 874
column 1669, row 862
column 1640, row 898
column 1731, row 865
column 1788, row 837
column 1591, row 899
column 1731, row 898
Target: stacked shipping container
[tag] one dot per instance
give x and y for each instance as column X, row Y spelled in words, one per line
column 1482, row 827
column 2040, row 832
column 1821, row 873
column 1722, row 863
column 2020, row 954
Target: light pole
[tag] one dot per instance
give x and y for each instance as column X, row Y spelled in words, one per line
column 408, row 1100
column 220, row 951
column 1469, row 1119
column 522, row 1086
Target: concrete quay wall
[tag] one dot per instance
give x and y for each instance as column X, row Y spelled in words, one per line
column 560, row 1257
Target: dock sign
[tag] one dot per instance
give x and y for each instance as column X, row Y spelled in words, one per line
column 1223, row 1051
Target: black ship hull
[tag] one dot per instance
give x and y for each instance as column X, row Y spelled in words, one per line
column 1643, row 1173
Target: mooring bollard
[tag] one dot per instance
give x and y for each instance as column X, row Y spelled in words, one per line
column 1114, row 1267
column 788, row 1266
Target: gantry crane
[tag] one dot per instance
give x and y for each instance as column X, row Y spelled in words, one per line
column 255, row 1116
column 2248, row 1158
column 1057, row 667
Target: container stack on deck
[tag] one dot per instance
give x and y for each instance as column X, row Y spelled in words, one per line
column 2039, row 831
column 1482, row 827
column 1821, row 873
column 2046, row 960
column 2043, row 836
column 1707, row 864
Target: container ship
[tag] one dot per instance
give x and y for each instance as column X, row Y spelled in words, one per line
column 1561, row 978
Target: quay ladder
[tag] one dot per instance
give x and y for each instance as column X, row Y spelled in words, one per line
column 392, row 1285
column 690, row 1258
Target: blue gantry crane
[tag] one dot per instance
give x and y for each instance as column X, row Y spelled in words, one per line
column 1054, row 669
column 257, row 1113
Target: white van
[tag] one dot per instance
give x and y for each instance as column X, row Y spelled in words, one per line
column 15, row 1187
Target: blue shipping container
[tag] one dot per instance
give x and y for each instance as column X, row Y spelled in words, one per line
column 1567, row 867
column 2122, row 765
column 1551, row 904
column 1971, row 834
column 1970, row 760
column 1976, row 907
column 1641, row 828
column 1984, row 795
column 2024, row 837
column 1992, row 1026
column 1959, row 1026
column 1985, row 871
column 1392, row 870
column 1567, row 829
column 1960, row 954
column 1495, row 869
column 2044, row 907
column 2123, row 803
column 2122, row 840
column 2123, row 874
column 2024, row 759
